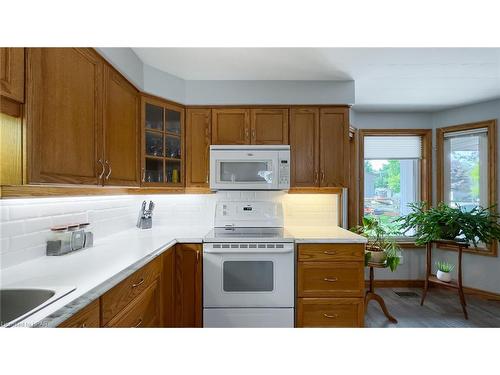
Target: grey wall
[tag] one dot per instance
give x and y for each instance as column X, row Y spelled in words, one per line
column 269, row 92
column 480, row 272
column 165, row 85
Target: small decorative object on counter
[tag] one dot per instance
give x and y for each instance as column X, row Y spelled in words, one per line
column 145, row 219
column 444, row 271
column 175, row 176
column 67, row 238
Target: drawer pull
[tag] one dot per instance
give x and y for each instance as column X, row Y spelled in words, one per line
column 137, row 284
column 328, row 252
column 138, row 324
column 334, row 316
column 330, row 279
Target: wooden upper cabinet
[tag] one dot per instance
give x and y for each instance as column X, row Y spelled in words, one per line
column 12, row 73
column 64, row 115
column 198, row 135
column 269, row 126
column 230, row 126
column 334, row 143
column 121, row 131
column 304, row 147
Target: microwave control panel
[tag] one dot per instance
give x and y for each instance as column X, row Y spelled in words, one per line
column 284, row 169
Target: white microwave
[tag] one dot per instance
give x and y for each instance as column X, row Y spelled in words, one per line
column 263, row 167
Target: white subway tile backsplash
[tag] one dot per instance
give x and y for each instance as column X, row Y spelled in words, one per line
column 25, row 223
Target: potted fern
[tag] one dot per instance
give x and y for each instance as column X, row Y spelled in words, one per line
column 444, row 271
column 380, row 248
column 479, row 225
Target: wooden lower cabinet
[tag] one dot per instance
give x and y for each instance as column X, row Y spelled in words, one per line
column 142, row 312
column 330, row 312
column 88, row 317
column 188, row 285
column 330, row 285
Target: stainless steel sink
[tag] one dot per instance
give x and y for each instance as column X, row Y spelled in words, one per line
column 16, row 304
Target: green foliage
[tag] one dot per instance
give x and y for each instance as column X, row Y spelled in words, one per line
column 474, row 177
column 393, row 175
column 445, row 266
column 445, row 222
column 379, row 237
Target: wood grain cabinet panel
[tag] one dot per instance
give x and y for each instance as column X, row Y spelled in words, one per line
column 331, row 252
column 168, row 288
column 304, row 147
column 188, row 290
column 330, row 279
column 330, row 312
column 121, row 130
column 230, row 126
column 334, row 143
column 269, row 126
column 12, row 73
column 142, row 312
column 64, row 115
column 88, row 317
column 198, row 135
column 121, row 295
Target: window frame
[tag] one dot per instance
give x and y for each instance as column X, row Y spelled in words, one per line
column 425, row 169
column 490, row 125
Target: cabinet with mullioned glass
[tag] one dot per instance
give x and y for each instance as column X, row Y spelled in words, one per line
column 162, row 143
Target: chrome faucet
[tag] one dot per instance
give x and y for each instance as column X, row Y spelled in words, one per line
column 145, row 219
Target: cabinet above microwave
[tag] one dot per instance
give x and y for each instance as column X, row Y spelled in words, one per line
column 264, row 167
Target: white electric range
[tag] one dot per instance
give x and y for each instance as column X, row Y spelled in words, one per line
column 248, row 267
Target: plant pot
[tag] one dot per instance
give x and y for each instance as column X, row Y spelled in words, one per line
column 443, row 276
column 376, row 256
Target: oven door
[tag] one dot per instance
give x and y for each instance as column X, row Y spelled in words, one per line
column 235, row 276
column 243, row 170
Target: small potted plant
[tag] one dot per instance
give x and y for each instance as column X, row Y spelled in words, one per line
column 380, row 248
column 444, row 271
column 479, row 225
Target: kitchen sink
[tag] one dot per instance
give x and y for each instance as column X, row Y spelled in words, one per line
column 16, row 304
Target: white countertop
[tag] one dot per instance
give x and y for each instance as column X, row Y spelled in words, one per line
column 111, row 256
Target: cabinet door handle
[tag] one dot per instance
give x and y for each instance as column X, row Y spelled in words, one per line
column 197, row 256
column 109, row 166
column 322, row 176
column 253, row 134
column 330, row 279
column 246, row 134
column 137, row 284
column 328, row 252
column 334, row 316
column 138, row 324
column 83, row 325
column 103, row 168
column 316, row 176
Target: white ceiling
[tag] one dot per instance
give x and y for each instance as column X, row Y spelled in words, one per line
column 386, row 79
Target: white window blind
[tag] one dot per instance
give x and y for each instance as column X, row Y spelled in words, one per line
column 393, row 147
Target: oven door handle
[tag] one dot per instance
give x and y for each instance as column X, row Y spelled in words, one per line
column 247, row 251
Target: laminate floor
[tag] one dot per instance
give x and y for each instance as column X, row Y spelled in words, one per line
column 441, row 309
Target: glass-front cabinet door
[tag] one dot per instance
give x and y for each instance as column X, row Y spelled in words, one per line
column 162, row 145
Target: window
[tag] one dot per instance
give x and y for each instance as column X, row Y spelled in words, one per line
column 466, row 168
column 395, row 173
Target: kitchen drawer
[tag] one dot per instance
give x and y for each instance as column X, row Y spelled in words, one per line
column 331, row 252
column 88, row 317
column 143, row 311
column 330, row 279
column 121, row 295
column 330, row 312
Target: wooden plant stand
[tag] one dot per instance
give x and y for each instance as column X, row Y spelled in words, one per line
column 371, row 295
column 432, row 279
